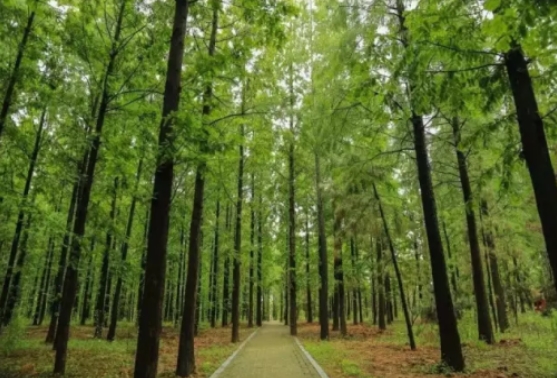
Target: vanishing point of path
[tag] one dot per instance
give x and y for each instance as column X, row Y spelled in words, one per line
column 271, row 353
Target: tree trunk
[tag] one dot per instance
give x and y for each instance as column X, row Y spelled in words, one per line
column 339, row 273
column 322, row 249
column 88, row 286
column 453, row 269
column 451, row 350
column 150, row 322
column 141, row 285
column 386, row 230
column 259, row 306
column 485, row 329
column 103, row 279
column 355, row 289
column 226, row 276
column 380, row 284
column 251, row 255
column 190, row 318
column 62, row 262
column 21, row 215
column 535, row 149
column 43, row 287
column 309, row 313
column 238, row 245
column 15, row 288
column 215, row 271
column 14, row 75
column 124, row 254
column 502, row 317
column 71, row 280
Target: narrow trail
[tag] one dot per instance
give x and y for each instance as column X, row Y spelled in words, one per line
column 271, row 353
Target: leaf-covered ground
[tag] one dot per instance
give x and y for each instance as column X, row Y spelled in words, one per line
column 89, row 357
column 527, row 351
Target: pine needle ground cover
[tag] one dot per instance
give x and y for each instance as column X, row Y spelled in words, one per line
column 527, row 351
column 89, row 357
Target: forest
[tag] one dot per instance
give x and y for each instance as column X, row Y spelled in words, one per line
column 374, row 175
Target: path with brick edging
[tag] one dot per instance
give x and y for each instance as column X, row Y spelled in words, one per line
column 270, row 353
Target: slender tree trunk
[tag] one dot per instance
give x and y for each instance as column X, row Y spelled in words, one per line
column 322, row 249
column 238, row 246
column 190, row 318
column 14, row 75
column 388, row 299
column 141, row 286
column 380, row 286
column 226, row 276
column 502, row 317
column 535, row 149
column 88, row 287
column 71, row 280
column 355, row 289
column 59, row 279
column 21, row 215
column 260, row 303
column 485, row 329
column 45, row 277
column 251, row 255
column 451, row 350
column 123, row 254
column 215, row 270
column 15, row 289
column 150, row 322
column 386, row 230
column 453, row 269
column 103, row 279
column 309, row 312
column 339, row 272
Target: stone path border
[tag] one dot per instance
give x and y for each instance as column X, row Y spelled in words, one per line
column 225, row 364
column 314, row 363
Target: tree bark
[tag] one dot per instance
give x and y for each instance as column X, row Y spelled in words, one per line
column 123, row 256
column 322, row 249
column 339, row 273
column 251, row 256
column 259, row 294
column 380, row 286
column 4, row 295
column 309, row 312
column 45, row 283
column 238, row 245
column 103, row 279
column 88, row 287
column 485, row 329
column 226, row 276
column 150, row 322
column 190, row 318
column 451, row 350
column 215, row 270
column 71, row 280
column 62, row 262
column 502, row 317
column 386, row 230
column 535, row 149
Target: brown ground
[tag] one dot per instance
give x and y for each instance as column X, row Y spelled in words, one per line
column 88, row 357
column 366, row 352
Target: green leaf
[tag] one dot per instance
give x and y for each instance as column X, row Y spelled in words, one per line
column 492, row 5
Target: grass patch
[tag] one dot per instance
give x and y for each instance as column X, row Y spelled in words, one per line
column 28, row 356
column 527, row 350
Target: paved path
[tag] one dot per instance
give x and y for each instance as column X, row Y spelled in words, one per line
column 271, row 353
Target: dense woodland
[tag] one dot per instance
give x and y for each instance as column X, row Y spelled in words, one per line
column 208, row 163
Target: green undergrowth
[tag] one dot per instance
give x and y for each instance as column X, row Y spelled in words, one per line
column 23, row 352
column 527, row 349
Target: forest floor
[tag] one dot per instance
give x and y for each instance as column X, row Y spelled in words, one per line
column 526, row 351
column 29, row 356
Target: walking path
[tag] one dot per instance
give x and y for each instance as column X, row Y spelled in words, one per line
column 270, row 353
